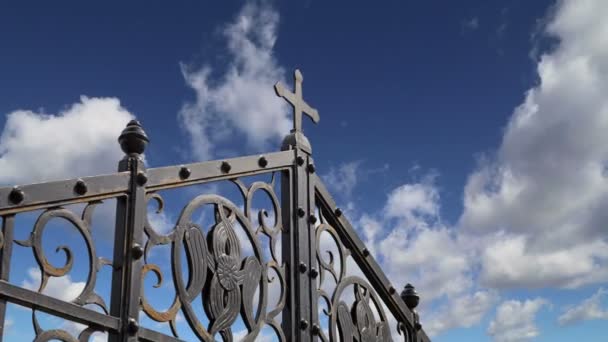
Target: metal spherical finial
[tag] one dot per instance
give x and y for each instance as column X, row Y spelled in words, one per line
column 410, row 296
column 133, row 139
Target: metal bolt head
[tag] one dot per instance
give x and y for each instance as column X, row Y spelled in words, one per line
column 141, row 179
column 16, row 195
column 137, row 251
column 316, row 329
column 314, row 273
column 338, row 212
column 311, row 168
column 312, row 219
column 303, row 324
column 391, row 290
column 410, row 296
column 300, row 160
column 302, row 267
column 225, row 167
column 184, row 173
column 301, row 212
column 80, row 188
column 133, row 139
column 132, row 326
column 365, row 252
column 262, row 162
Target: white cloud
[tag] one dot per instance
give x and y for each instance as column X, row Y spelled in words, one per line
column 420, row 250
column 588, row 309
column 79, row 141
column 343, row 179
column 242, row 99
column 417, row 204
column 59, row 287
column 547, row 188
column 465, row 311
column 515, row 320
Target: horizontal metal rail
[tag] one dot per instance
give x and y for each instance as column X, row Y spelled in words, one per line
column 57, row 307
column 65, row 192
column 189, row 174
column 44, row 195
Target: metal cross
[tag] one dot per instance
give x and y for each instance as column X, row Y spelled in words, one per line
column 297, row 102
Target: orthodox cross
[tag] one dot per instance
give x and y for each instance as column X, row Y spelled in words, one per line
column 297, row 102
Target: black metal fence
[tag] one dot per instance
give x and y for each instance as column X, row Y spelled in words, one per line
column 329, row 294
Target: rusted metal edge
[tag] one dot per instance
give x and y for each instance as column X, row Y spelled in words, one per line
column 57, row 307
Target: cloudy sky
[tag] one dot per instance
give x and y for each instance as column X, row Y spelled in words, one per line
column 467, row 143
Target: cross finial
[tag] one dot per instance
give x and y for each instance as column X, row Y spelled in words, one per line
column 297, row 102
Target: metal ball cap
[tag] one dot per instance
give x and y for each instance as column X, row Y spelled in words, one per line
column 133, row 139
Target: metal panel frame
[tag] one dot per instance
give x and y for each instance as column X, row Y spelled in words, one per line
column 133, row 186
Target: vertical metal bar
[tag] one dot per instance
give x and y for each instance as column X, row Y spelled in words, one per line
column 296, row 245
column 302, row 248
column 312, row 242
column 8, row 223
column 289, row 212
column 128, row 238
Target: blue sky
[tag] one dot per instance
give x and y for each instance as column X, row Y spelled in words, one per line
column 465, row 140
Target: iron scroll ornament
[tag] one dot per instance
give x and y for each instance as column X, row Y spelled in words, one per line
column 228, row 282
column 355, row 322
column 87, row 295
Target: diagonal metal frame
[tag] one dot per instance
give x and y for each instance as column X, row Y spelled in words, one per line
column 365, row 260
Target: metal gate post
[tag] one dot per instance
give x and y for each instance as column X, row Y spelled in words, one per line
column 128, row 239
column 296, row 246
column 298, row 208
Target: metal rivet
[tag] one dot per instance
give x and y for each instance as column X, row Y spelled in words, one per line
column 132, row 326
column 225, row 167
column 16, row 196
column 142, row 179
column 316, row 329
column 312, row 219
column 338, row 212
column 80, row 188
column 391, row 290
column 365, row 252
column 262, row 162
column 311, row 168
column 301, row 212
column 137, row 251
column 303, row 267
column 300, row 160
column 303, row 324
column 184, row 173
column 314, row 273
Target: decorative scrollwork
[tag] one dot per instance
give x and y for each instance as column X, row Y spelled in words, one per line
column 357, row 321
column 59, row 334
column 225, row 278
column 47, row 270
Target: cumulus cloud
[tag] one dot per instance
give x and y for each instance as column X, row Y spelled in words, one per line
column 588, row 309
column 241, row 99
column 465, row 311
column 515, row 320
column 546, row 189
column 59, row 287
column 413, row 246
column 415, row 204
column 79, row 141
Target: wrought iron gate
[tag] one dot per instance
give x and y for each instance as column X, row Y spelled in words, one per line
column 337, row 294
